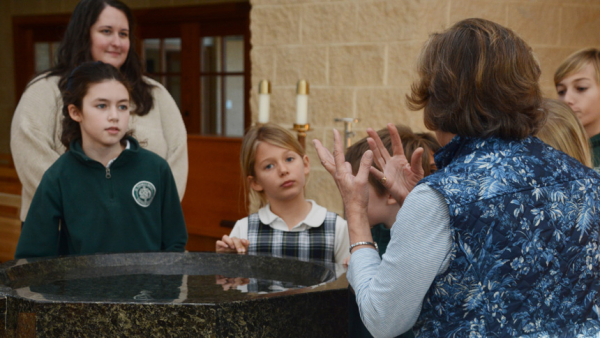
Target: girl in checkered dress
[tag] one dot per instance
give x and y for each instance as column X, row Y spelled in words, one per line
column 275, row 168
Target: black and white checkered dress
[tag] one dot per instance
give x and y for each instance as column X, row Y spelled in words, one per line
column 317, row 244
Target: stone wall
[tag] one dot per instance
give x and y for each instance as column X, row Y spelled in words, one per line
column 359, row 56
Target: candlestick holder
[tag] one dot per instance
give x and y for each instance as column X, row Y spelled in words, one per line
column 301, row 129
column 348, row 133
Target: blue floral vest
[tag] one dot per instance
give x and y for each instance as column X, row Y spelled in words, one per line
column 525, row 221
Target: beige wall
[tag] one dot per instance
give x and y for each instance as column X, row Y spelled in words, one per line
column 359, row 56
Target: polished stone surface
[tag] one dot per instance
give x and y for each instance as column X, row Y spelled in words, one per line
column 171, row 294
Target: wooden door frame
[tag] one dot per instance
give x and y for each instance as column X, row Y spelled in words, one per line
column 221, row 19
column 27, row 30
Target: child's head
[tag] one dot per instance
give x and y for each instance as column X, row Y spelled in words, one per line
column 382, row 206
column 576, row 62
column 577, row 82
column 274, row 164
column 96, row 105
column 478, row 79
column 564, row 132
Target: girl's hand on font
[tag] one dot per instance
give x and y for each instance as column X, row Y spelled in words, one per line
column 232, row 244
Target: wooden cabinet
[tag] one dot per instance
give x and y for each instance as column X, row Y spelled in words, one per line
column 213, row 198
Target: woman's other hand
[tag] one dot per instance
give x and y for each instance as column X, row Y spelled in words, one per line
column 400, row 176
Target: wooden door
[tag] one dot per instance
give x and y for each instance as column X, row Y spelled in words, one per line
column 194, row 48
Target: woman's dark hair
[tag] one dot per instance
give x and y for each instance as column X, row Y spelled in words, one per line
column 478, row 79
column 75, row 49
column 76, row 88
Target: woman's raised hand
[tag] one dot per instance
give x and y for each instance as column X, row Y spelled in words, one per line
column 354, row 189
column 400, row 176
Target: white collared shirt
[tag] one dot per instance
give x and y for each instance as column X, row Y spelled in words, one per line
column 314, row 219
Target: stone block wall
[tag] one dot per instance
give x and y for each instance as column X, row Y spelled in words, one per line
column 359, row 57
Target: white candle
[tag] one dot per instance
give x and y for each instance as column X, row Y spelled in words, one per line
column 264, row 100
column 302, row 102
column 301, row 109
column 263, row 107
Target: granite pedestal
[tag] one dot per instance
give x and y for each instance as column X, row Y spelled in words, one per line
column 171, row 294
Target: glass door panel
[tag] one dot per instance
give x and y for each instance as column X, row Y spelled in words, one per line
column 222, row 85
column 211, row 104
column 44, row 55
column 234, row 53
column 234, row 106
column 162, row 58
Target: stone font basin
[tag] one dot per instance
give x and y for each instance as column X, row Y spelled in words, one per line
column 171, row 294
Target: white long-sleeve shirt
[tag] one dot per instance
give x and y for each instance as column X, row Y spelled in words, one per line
column 390, row 291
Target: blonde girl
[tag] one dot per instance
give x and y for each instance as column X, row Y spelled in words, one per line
column 563, row 131
column 577, row 81
column 275, row 168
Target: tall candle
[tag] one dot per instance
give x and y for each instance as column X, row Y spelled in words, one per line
column 302, row 102
column 264, row 99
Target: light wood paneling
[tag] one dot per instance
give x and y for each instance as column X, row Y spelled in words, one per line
column 10, row 225
column 213, row 196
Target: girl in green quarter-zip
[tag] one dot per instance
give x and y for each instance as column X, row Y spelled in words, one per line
column 105, row 194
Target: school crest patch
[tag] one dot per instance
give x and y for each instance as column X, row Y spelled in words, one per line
column 143, row 193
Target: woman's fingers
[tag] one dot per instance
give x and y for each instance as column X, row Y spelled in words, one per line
column 365, row 164
column 378, row 175
column 397, row 148
column 384, row 152
column 338, row 151
column 416, row 163
column 334, row 163
column 325, row 156
column 379, row 161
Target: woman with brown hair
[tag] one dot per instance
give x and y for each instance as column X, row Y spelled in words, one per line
column 503, row 239
column 99, row 30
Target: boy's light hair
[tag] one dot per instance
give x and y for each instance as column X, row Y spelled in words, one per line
column 576, row 61
column 410, row 142
column 272, row 134
column 563, row 131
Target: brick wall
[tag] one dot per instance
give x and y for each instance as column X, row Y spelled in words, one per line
column 359, row 56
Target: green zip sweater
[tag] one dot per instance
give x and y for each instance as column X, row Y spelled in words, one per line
column 132, row 206
column 595, row 148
